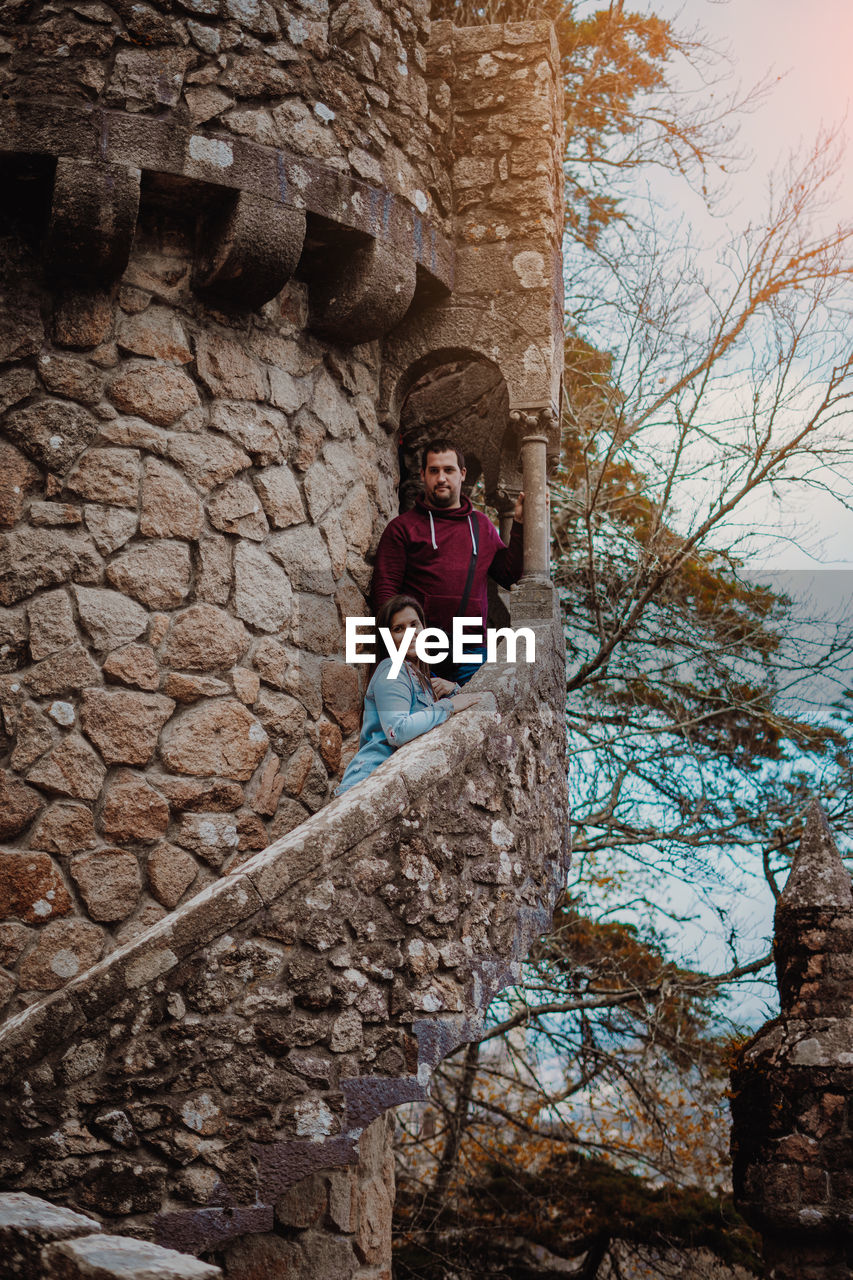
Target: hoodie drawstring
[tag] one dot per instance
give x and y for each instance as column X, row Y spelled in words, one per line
column 432, row 533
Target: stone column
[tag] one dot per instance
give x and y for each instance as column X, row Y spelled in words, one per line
column 533, row 464
column 792, row 1084
column 533, row 597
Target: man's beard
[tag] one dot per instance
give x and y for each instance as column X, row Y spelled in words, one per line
column 442, row 499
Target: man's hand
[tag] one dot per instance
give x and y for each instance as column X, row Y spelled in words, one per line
column 442, row 688
column 518, row 513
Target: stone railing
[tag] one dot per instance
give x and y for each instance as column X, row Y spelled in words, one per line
column 39, row 1240
column 184, row 1084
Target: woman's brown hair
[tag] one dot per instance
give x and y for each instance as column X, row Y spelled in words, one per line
column 385, row 617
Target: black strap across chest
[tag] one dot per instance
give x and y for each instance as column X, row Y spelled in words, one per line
column 472, row 566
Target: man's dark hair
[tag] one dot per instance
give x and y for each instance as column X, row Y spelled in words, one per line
column 442, row 446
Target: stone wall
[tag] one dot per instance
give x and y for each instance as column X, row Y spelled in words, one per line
column 197, row 451
column 340, row 83
column 188, row 505
column 185, row 1084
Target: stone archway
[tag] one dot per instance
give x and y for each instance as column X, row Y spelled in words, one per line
column 464, row 399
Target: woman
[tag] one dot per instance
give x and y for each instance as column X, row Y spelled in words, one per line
column 395, row 711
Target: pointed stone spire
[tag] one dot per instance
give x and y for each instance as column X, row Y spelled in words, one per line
column 814, row 928
column 792, row 1083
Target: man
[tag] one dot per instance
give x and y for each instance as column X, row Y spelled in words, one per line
column 442, row 552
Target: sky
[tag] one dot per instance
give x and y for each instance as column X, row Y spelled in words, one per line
column 805, row 50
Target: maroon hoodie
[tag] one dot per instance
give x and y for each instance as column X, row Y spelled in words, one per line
column 428, row 558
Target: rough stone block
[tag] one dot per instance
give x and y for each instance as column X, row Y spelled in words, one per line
column 246, row 684
column 134, row 665
column 82, row 317
column 220, row 738
column 155, row 332
column 50, row 514
column 208, row 460
column 159, row 393
column 213, row 580
column 65, row 827
column 34, row 735
column 303, row 554
column 110, row 527
column 27, row 1224
column 18, row 478
column 109, row 476
column 315, row 625
column 303, row 1203
column 52, row 432
column 236, row 509
column 68, row 671
column 124, row 725
column 171, row 871
column 263, row 432
column 21, row 330
column 263, row 596
column 212, row 836
column 34, row 558
column 32, row 888
column 216, row 796
column 70, row 769
column 19, row 804
column 170, row 508
column 226, row 369
column 132, row 810
column 143, row 78
column 109, row 882
column 158, row 575
column 64, row 949
column 186, row 688
column 280, row 496
column 341, row 694
column 204, row 638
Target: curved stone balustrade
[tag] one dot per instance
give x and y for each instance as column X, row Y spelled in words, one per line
column 250, row 1038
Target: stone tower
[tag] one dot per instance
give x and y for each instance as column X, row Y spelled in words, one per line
column 234, row 236
column 793, row 1083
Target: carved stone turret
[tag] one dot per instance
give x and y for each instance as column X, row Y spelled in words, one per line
column 793, row 1082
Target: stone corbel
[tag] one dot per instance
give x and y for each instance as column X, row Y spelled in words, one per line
column 247, row 252
column 364, row 295
column 92, row 220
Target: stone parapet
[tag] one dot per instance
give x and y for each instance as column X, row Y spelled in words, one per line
column 39, row 1241
column 249, row 1039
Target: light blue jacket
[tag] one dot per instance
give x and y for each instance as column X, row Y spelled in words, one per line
column 395, row 711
